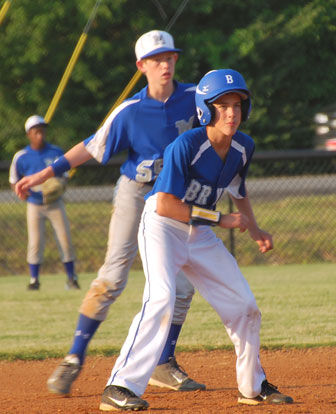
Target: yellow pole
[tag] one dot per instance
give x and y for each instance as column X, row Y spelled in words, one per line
column 4, row 10
column 70, row 66
column 65, row 78
column 124, row 93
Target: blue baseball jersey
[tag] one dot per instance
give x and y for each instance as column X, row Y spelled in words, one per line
column 194, row 172
column 29, row 161
column 144, row 127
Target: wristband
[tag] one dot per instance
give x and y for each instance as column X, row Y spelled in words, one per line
column 199, row 215
column 60, row 166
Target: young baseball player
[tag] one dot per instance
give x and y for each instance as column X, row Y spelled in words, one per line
column 35, row 157
column 144, row 125
column 175, row 233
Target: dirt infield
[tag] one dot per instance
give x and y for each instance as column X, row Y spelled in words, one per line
column 309, row 376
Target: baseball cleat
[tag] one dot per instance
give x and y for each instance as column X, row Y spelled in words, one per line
column 34, row 286
column 72, row 284
column 120, row 398
column 64, row 375
column 269, row 394
column 170, row 375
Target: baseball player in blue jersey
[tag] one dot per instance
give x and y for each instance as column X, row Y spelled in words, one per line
column 33, row 158
column 175, row 234
column 144, row 125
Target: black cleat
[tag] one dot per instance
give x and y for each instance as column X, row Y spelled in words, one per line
column 34, row 285
column 269, row 394
column 120, row 398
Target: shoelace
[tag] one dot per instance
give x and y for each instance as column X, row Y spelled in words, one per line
column 67, row 373
column 269, row 388
column 125, row 392
column 177, row 366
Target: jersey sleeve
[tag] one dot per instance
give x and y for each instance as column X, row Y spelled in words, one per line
column 14, row 170
column 112, row 137
column 173, row 178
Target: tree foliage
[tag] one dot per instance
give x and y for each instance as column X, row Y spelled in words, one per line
column 285, row 51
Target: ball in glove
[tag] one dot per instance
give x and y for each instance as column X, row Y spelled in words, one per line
column 53, row 189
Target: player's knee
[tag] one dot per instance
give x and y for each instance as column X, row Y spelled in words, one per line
column 252, row 313
column 99, row 297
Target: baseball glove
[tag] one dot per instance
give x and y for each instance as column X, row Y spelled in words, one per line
column 53, row 189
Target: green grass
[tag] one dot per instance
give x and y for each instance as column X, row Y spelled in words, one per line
column 297, row 303
column 303, row 229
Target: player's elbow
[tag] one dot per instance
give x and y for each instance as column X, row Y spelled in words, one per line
column 160, row 208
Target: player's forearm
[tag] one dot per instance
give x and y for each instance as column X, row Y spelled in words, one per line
column 77, row 155
column 244, row 207
column 170, row 206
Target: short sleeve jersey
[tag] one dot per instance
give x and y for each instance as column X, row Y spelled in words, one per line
column 29, row 161
column 193, row 171
column 144, row 127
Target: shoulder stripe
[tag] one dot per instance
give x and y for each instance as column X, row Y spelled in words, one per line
column 241, row 149
column 202, row 149
column 190, row 89
column 13, row 175
column 96, row 146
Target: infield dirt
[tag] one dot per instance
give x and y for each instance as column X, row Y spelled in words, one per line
column 309, row 376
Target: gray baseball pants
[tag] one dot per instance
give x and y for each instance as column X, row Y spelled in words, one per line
column 121, row 251
column 36, row 218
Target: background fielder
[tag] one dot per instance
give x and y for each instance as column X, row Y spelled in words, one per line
column 35, row 157
column 144, row 125
column 174, row 234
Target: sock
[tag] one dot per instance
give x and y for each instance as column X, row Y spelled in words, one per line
column 86, row 328
column 70, row 269
column 169, row 348
column 34, row 272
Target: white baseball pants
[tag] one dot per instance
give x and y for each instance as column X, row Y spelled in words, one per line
column 166, row 246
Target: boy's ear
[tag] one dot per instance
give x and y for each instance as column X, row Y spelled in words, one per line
column 140, row 65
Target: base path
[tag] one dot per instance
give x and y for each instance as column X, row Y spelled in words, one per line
column 309, row 376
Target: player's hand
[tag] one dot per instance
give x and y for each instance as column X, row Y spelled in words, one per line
column 234, row 221
column 22, row 187
column 263, row 239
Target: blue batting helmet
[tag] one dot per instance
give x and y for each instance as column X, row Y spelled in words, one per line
column 215, row 84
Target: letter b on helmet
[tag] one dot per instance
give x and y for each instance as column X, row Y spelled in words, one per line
column 215, row 84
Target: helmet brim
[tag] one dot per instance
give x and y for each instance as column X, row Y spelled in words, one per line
column 240, row 92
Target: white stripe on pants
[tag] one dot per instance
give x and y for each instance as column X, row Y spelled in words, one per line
column 167, row 246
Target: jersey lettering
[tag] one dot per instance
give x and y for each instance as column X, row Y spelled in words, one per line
column 182, row 125
column 145, row 172
column 198, row 193
column 229, row 78
column 203, row 195
column 193, row 190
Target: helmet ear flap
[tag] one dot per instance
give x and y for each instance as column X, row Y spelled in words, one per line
column 246, row 108
column 212, row 111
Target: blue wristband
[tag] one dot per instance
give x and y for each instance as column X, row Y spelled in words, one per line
column 60, row 166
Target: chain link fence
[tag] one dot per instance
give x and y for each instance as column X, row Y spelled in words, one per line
column 293, row 195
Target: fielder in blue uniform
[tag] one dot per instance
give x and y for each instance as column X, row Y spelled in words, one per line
column 143, row 125
column 175, row 234
column 33, row 158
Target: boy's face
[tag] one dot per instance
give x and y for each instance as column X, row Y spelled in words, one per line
column 227, row 113
column 36, row 136
column 159, row 69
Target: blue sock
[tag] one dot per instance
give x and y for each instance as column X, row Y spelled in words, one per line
column 34, row 272
column 70, row 269
column 86, row 328
column 169, row 349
